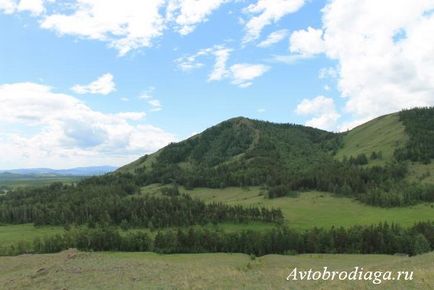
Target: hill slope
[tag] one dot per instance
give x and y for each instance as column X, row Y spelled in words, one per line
column 239, row 151
column 77, row 270
column 384, row 134
column 249, row 150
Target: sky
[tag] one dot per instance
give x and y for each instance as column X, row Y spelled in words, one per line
column 97, row 82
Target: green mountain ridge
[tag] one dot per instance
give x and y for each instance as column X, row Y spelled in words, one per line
column 291, row 147
column 373, row 161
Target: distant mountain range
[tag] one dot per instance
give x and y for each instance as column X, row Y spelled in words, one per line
column 77, row 171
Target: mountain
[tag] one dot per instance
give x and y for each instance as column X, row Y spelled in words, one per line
column 243, row 148
column 380, row 157
column 78, row 171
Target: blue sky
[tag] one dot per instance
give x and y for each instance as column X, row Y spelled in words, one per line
column 90, row 82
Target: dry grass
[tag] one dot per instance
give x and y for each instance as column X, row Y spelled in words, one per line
column 76, row 270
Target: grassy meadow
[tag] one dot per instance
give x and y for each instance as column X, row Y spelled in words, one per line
column 13, row 234
column 113, row 270
column 313, row 209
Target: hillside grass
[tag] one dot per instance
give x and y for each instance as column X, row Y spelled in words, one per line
column 317, row 209
column 383, row 134
column 423, row 173
column 113, row 270
column 312, row 209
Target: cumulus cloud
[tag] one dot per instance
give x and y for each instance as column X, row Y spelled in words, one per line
column 125, row 25
column 242, row 74
column 274, row 38
column 266, row 12
column 133, row 116
column 384, row 51
column 104, row 85
column 306, row 43
column 323, row 111
column 63, row 129
column 8, row 6
column 35, row 7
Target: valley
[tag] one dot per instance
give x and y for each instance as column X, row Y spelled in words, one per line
column 253, row 196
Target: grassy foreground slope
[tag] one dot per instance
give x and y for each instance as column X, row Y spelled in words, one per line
column 76, row 270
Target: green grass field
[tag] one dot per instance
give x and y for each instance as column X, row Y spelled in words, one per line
column 112, row 270
column 12, row 234
column 314, row 209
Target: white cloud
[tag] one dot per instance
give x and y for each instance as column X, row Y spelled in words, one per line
column 384, row 51
column 35, row 7
column 155, row 105
column 125, row 25
column 274, row 38
column 266, row 12
column 104, row 85
column 306, row 43
column 348, row 125
column 66, row 132
column 191, row 62
column 221, row 58
column 323, row 110
column 133, row 116
column 188, row 13
column 219, row 52
column 8, row 6
column 148, row 96
column 242, row 74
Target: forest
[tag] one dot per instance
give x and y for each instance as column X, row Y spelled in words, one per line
column 91, row 203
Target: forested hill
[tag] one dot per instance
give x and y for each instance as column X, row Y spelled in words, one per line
column 373, row 161
column 239, row 151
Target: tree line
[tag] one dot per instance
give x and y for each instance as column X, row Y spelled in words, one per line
column 375, row 239
column 92, row 203
column 419, row 126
